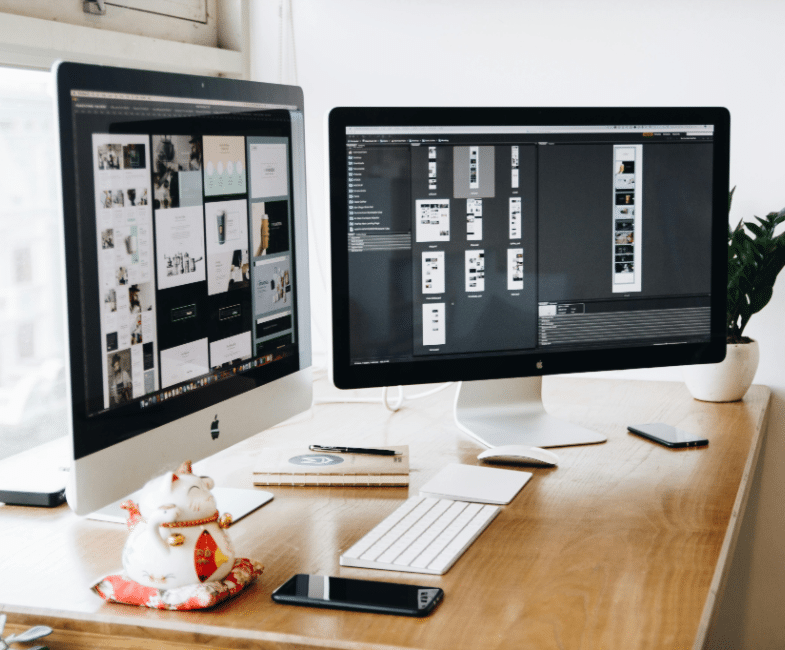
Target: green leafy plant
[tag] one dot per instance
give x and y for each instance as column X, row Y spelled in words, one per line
column 753, row 265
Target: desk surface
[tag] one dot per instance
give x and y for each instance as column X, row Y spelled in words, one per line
column 623, row 545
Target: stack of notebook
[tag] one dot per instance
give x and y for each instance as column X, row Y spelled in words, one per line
column 299, row 466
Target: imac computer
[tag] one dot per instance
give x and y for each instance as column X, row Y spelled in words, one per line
column 186, row 269
column 493, row 246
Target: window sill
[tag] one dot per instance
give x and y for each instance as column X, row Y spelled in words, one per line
column 37, row 43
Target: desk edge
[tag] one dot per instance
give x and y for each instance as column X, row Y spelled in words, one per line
column 721, row 571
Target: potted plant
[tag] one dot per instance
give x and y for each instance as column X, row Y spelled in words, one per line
column 755, row 257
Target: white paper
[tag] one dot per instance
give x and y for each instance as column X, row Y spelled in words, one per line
column 184, row 362
column 433, row 324
column 474, row 168
column 269, row 170
column 433, row 272
column 227, row 246
column 626, row 265
column 433, row 220
column 180, row 246
column 473, row 219
column 475, row 270
column 514, row 269
column 515, row 217
column 232, row 348
column 124, row 240
column 272, row 284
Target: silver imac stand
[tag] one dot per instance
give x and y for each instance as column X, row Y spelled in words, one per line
column 500, row 412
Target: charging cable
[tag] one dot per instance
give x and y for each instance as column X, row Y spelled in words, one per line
column 384, row 398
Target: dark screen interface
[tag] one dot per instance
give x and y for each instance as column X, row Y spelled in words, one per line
column 185, row 231
column 469, row 240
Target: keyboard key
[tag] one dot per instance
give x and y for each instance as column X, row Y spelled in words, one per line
column 401, row 527
column 373, row 535
column 414, row 533
column 462, row 540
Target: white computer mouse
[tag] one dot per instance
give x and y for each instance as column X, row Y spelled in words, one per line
column 519, row 454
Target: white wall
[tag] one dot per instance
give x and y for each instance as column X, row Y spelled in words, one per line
column 572, row 53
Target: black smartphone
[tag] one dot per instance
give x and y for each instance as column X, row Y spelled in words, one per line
column 667, row 435
column 358, row 595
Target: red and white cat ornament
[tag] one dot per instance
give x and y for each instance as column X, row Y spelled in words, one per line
column 178, row 548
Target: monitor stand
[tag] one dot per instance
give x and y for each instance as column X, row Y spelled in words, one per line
column 500, row 412
column 238, row 502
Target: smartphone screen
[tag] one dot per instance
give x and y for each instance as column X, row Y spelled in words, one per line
column 358, row 595
column 668, row 435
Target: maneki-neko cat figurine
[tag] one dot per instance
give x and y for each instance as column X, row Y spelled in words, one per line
column 177, row 537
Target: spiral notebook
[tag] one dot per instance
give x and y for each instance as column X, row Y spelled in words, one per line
column 301, row 467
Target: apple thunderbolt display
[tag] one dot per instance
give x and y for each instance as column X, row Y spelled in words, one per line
column 186, row 269
column 496, row 245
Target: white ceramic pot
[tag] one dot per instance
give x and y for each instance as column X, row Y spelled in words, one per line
column 727, row 381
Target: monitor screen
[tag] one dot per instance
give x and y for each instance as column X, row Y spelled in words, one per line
column 481, row 243
column 183, row 208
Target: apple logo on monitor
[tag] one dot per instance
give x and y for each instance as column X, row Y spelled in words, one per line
column 214, row 430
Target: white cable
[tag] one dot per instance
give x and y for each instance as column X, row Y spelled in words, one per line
column 294, row 48
column 383, row 399
column 286, row 7
column 431, row 391
column 387, row 403
column 286, row 28
column 280, row 43
column 312, row 234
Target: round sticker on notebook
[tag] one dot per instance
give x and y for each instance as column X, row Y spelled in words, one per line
column 321, row 460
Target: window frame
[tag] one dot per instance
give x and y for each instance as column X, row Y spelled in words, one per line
column 37, row 43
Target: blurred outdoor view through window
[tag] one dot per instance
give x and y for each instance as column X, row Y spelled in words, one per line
column 32, row 331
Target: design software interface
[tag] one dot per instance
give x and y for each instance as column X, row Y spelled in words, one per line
column 466, row 240
column 186, row 241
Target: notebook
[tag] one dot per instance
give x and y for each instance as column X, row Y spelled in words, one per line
column 300, row 466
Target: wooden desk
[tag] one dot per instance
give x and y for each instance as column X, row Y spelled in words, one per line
column 624, row 545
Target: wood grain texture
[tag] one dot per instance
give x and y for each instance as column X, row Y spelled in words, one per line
column 624, row 545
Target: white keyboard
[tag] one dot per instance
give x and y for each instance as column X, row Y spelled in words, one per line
column 424, row 535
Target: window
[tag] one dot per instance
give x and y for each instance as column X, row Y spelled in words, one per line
column 32, row 342
column 173, row 35
column 23, row 266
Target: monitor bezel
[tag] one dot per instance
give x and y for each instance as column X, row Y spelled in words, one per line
column 528, row 363
column 128, row 422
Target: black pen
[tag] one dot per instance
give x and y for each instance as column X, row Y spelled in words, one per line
column 354, row 450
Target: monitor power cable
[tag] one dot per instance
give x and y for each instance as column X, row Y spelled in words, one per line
column 384, row 399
